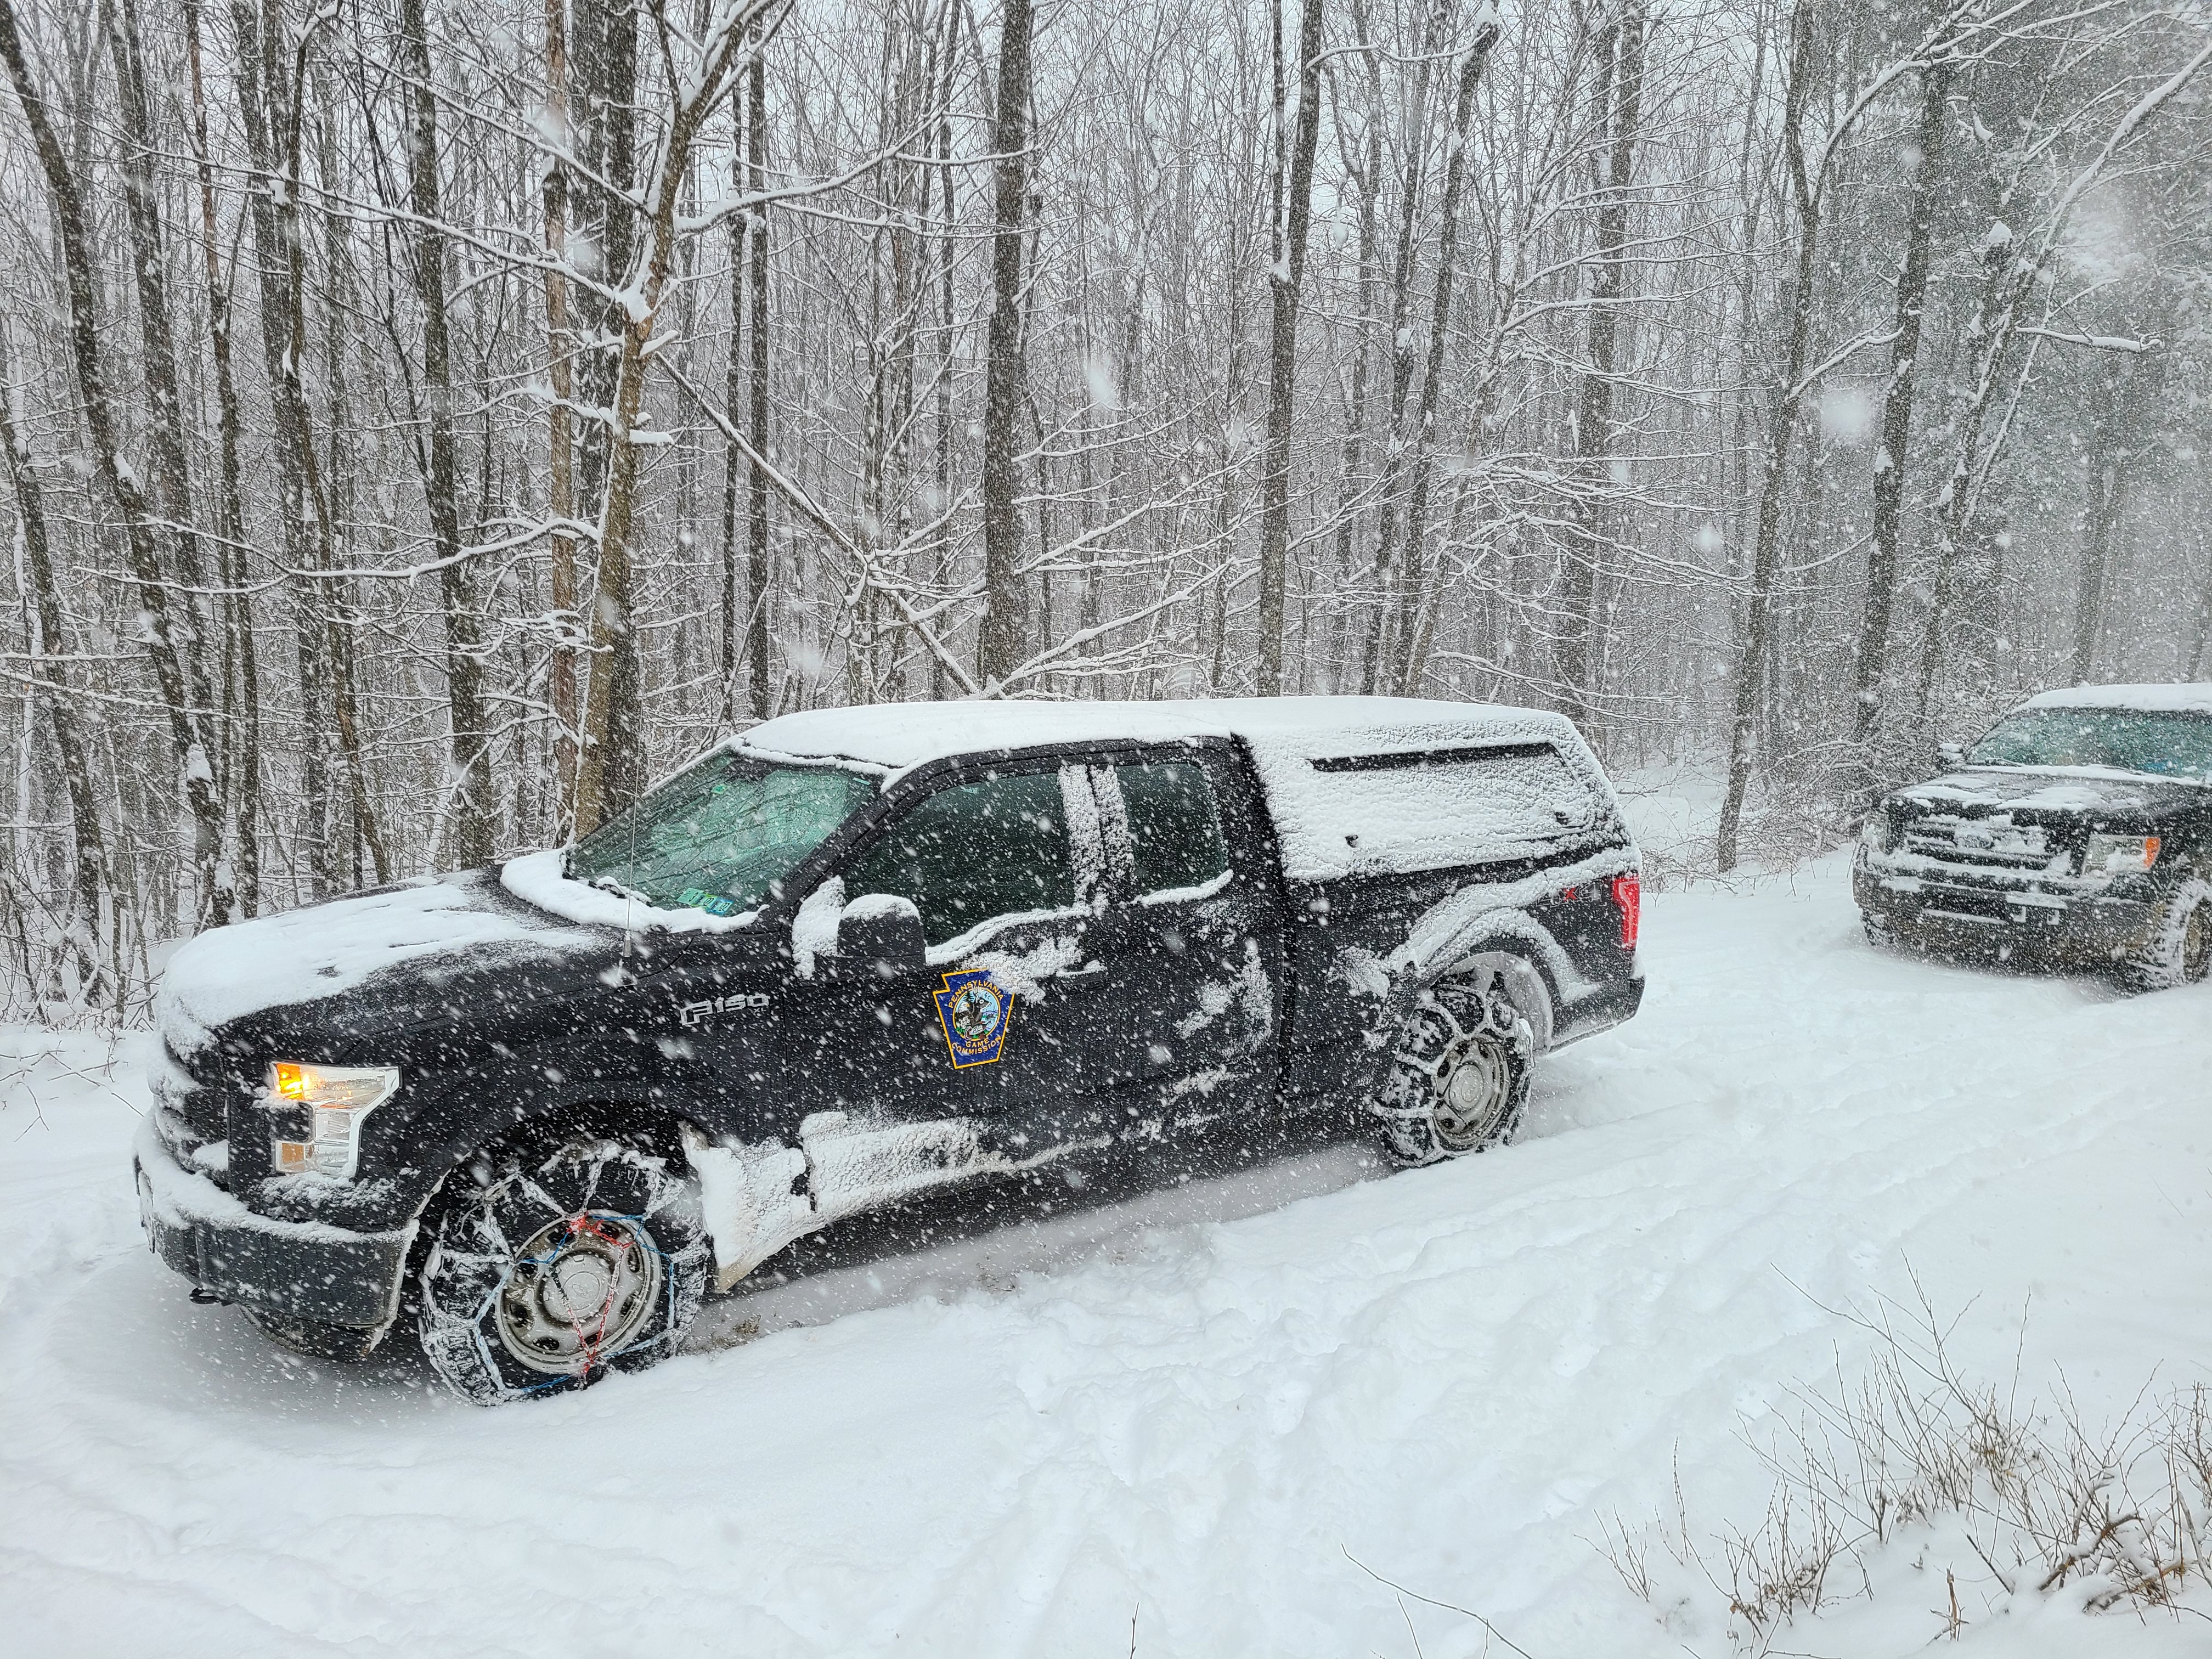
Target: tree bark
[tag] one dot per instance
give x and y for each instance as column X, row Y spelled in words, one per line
column 189, row 726
column 1401, row 365
column 1401, row 633
column 1285, row 283
column 612, row 774
column 561, row 459
column 759, row 594
column 90, row 877
column 999, row 638
column 241, row 675
column 1759, row 608
column 1869, row 661
column 467, row 740
column 1622, row 61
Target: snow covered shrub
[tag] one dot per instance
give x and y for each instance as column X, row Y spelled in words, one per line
column 1916, row 1469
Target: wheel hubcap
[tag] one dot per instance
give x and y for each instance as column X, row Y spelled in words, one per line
column 583, row 1287
column 1472, row 1102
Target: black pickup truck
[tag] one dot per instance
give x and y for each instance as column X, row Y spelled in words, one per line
column 853, row 956
column 2077, row 830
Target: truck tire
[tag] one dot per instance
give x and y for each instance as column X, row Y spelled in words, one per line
column 2178, row 949
column 1459, row 1075
column 549, row 1264
column 1880, row 934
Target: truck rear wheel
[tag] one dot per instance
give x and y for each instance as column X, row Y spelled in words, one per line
column 549, row 1265
column 2177, row 950
column 1459, row 1078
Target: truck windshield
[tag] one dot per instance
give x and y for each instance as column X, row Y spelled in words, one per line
column 2126, row 739
column 718, row 837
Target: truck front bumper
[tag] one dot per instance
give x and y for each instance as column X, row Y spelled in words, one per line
column 287, row 1270
column 1986, row 918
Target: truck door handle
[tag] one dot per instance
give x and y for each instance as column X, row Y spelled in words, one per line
column 1081, row 972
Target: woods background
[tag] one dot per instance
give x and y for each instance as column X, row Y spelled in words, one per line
column 428, row 421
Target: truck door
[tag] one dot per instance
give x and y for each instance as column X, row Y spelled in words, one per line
column 985, row 1060
column 1191, row 934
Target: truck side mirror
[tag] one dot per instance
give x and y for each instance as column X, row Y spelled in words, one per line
column 879, row 937
column 1950, row 756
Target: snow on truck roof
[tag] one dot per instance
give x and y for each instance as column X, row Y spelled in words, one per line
column 2151, row 699
column 1467, row 790
column 900, row 735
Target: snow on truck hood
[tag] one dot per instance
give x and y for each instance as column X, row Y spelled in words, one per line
column 2046, row 789
column 322, row 951
column 1329, row 823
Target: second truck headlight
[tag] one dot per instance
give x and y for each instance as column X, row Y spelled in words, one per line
column 327, row 1103
column 2118, row 855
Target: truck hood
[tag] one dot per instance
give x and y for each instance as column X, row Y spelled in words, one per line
column 365, row 963
column 2075, row 795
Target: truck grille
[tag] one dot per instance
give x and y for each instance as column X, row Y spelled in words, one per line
column 1979, row 842
column 190, row 1097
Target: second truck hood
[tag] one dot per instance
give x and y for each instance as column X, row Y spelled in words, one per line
column 385, row 950
column 2082, row 796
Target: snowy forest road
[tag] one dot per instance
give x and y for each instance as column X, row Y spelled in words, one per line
column 1449, row 1374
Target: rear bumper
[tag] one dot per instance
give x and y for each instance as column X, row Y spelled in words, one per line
column 1600, row 1011
column 1978, row 918
column 289, row 1269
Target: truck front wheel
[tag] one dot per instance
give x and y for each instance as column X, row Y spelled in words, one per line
column 1459, row 1077
column 550, row 1263
column 2178, row 949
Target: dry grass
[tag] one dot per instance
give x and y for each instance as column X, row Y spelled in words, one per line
column 2047, row 1502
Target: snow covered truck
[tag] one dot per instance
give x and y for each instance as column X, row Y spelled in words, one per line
column 2077, row 830
column 538, row 1111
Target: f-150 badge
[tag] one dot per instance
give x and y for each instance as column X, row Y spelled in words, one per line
column 974, row 1012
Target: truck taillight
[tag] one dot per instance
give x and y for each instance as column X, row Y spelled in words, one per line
column 1628, row 899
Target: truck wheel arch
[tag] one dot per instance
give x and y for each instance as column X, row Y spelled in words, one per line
column 1523, row 983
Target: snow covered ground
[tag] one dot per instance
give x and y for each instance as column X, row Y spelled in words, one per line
column 1180, row 1424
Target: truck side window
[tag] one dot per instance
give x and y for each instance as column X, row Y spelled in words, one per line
column 973, row 851
column 1175, row 826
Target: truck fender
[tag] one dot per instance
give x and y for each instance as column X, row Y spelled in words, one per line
column 1523, row 986
column 1532, row 967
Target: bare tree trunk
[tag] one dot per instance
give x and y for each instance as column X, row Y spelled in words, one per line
column 190, row 736
column 1868, row 677
column 1399, row 635
column 473, row 800
column 269, row 101
column 733, row 393
column 90, row 877
column 1000, row 644
column 561, row 459
column 759, row 595
column 1285, row 280
column 149, row 265
column 241, row 678
column 1401, row 363
column 1759, row 608
column 1622, row 67
column 613, row 775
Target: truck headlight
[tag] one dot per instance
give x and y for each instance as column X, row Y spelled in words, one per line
column 317, row 1112
column 2118, row 855
column 1874, row 833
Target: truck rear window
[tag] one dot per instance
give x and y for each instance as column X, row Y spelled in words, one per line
column 1432, row 809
